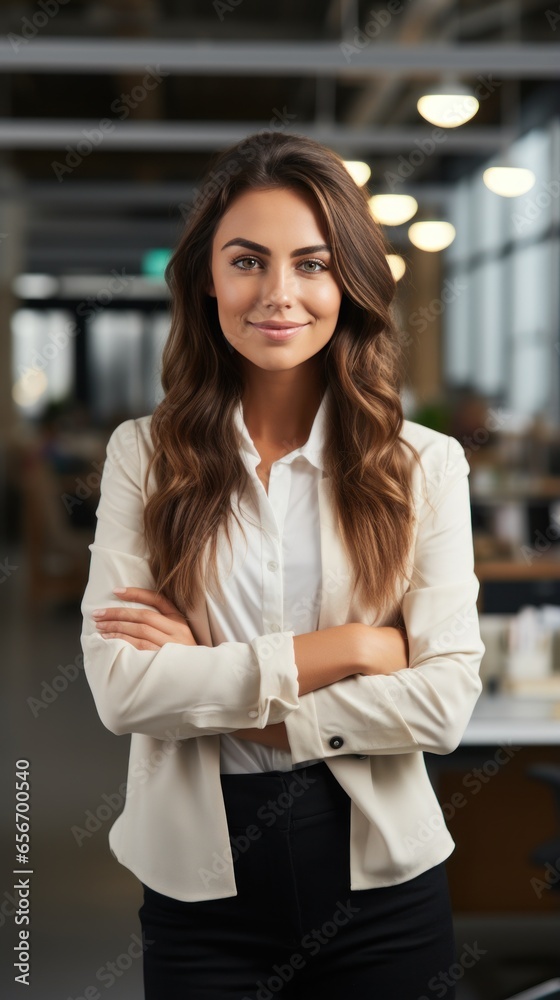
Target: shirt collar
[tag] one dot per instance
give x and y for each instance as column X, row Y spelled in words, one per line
column 312, row 450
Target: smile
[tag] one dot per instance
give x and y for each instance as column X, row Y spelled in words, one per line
column 279, row 334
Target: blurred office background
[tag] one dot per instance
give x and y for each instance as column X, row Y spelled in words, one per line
column 109, row 113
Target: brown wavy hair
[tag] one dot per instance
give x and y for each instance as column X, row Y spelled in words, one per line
column 196, row 458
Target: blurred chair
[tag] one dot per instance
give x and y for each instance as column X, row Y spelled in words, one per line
column 547, row 855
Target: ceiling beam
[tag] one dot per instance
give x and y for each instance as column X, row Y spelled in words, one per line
column 81, row 195
column 263, row 58
column 88, row 136
column 371, row 104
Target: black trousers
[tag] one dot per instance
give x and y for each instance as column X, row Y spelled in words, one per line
column 295, row 929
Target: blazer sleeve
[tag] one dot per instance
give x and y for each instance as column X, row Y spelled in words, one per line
column 178, row 691
column 427, row 705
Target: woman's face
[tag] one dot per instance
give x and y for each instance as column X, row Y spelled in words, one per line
column 270, row 269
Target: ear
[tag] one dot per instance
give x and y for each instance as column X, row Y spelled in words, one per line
column 210, row 290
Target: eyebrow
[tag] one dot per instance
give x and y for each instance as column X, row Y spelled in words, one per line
column 239, row 241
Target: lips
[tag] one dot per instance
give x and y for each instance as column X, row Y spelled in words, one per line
column 279, row 332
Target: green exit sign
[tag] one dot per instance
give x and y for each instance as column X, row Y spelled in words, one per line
column 155, row 261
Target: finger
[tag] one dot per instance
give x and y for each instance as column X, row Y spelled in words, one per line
column 137, row 643
column 137, row 630
column 138, row 615
column 145, row 596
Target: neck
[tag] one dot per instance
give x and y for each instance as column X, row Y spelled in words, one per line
column 280, row 407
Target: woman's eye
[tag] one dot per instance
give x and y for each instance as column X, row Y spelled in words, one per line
column 317, row 263
column 243, row 260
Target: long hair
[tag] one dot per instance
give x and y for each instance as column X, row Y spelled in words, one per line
column 196, row 460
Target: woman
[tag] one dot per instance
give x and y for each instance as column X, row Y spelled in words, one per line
column 278, row 812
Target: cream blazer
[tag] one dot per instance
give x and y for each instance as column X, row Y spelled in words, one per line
column 371, row 730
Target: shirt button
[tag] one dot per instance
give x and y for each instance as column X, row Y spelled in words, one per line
column 272, row 565
column 336, row 742
column 275, row 627
column 253, row 715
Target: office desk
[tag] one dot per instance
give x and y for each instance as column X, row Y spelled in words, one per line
column 505, row 718
column 501, row 814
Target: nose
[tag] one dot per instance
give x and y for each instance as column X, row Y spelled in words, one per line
column 278, row 288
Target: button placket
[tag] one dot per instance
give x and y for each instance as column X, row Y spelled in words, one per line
column 275, row 503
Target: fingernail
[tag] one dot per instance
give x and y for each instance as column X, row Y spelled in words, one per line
column 119, row 590
column 97, row 614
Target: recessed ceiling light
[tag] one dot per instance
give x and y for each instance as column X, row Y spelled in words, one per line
column 393, row 209
column 510, row 182
column 448, row 105
column 397, row 265
column 359, row 171
column 431, row 235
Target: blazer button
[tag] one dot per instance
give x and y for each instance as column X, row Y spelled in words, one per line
column 336, row 742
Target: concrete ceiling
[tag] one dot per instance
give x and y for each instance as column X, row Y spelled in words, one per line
column 347, row 72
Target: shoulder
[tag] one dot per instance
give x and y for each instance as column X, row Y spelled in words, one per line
column 128, row 451
column 442, row 456
column 131, row 437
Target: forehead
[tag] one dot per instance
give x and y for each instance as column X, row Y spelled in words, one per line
column 274, row 209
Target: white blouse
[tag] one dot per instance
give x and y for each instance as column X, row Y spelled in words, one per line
column 275, row 583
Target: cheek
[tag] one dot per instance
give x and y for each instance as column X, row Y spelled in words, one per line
column 328, row 297
column 232, row 295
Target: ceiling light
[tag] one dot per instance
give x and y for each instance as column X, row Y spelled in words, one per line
column 359, row 171
column 431, row 235
column 392, row 209
column 397, row 265
column 448, row 105
column 34, row 286
column 510, row 182
column 30, row 387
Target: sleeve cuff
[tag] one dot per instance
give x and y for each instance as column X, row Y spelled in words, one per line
column 279, row 680
column 303, row 731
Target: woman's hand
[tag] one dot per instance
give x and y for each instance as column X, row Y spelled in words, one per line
column 142, row 628
column 385, row 649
